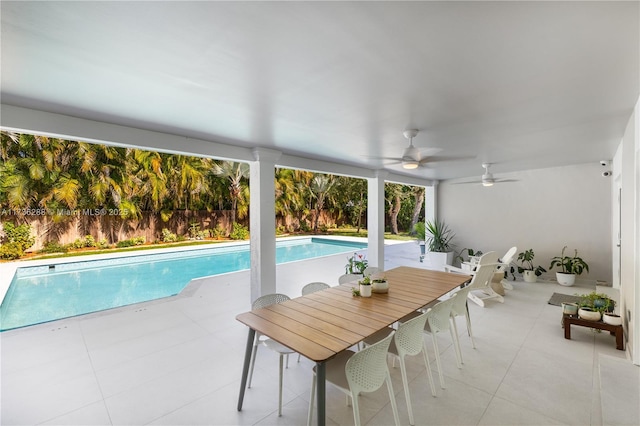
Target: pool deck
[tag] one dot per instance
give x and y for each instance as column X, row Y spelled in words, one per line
column 178, row 360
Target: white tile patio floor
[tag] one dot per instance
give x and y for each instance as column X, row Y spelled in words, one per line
column 178, row 361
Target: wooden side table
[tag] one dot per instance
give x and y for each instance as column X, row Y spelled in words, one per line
column 615, row 330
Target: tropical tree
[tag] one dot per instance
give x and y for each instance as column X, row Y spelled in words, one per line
column 236, row 173
column 321, row 187
column 395, row 194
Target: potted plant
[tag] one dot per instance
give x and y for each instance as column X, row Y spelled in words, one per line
column 356, row 264
column 379, row 283
column 439, row 239
column 594, row 306
column 530, row 273
column 467, row 263
column 570, row 267
column 365, row 287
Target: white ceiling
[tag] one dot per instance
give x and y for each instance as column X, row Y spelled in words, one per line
column 523, row 85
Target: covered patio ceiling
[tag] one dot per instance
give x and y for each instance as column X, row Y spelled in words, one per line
column 523, row 85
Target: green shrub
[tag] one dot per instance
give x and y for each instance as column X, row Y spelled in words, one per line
column 281, row 230
column 53, row 247
column 219, row 232
column 21, row 235
column 125, row 243
column 89, row 241
column 103, row 244
column 168, row 236
column 135, row 241
column 304, row 226
column 240, row 232
column 10, row 251
column 78, row 243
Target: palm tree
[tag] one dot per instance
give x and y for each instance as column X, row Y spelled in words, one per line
column 235, row 173
column 321, row 186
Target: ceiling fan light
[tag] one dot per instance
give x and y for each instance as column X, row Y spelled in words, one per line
column 487, row 183
column 409, row 164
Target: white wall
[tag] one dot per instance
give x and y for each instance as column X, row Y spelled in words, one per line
column 545, row 210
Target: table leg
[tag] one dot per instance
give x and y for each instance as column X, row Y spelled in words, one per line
column 619, row 339
column 567, row 329
column 245, row 367
column 320, row 392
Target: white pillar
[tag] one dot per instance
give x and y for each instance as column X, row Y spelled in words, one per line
column 262, row 222
column 375, row 219
column 430, row 202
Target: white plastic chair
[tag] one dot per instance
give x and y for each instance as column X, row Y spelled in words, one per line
column 460, row 308
column 408, row 340
column 357, row 372
column 313, row 287
column 439, row 320
column 370, row 270
column 346, row 278
column 261, row 302
column 505, row 261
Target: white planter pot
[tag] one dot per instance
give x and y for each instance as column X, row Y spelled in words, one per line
column 612, row 319
column 438, row 260
column 565, row 279
column 529, row 276
column 365, row 290
column 382, row 287
column 589, row 315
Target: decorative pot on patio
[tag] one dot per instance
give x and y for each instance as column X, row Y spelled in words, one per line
column 569, row 308
column 612, row 319
column 589, row 314
column 565, row 279
column 529, row 276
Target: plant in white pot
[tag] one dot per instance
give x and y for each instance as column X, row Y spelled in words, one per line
column 439, row 239
column 570, row 267
column 530, row 273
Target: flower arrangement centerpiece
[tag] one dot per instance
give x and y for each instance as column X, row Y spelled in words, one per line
column 356, row 264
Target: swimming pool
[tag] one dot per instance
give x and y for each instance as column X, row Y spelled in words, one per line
column 45, row 293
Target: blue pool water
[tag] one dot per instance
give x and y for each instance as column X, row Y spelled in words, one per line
column 45, row 293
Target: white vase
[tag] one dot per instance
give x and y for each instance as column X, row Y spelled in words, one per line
column 589, row 315
column 379, row 287
column 529, row 276
column 365, row 290
column 565, row 279
column 612, row 319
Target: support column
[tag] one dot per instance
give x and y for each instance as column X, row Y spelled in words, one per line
column 375, row 219
column 430, row 202
column 262, row 222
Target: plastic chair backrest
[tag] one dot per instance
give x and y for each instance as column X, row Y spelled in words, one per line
column 370, row 270
column 439, row 315
column 409, row 338
column 506, row 259
column 367, row 369
column 313, row 287
column 269, row 299
column 459, row 306
column 347, row 278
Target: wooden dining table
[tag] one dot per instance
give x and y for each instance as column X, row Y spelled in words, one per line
column 322, row 324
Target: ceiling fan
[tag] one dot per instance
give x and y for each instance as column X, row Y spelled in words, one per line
column 487, row 178
column 413, row 157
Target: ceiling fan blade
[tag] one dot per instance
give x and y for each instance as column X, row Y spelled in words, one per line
column 506, row 180
column 438, row 159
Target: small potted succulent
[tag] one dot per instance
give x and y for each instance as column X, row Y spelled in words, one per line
column 530, row 273
column 570, row 267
